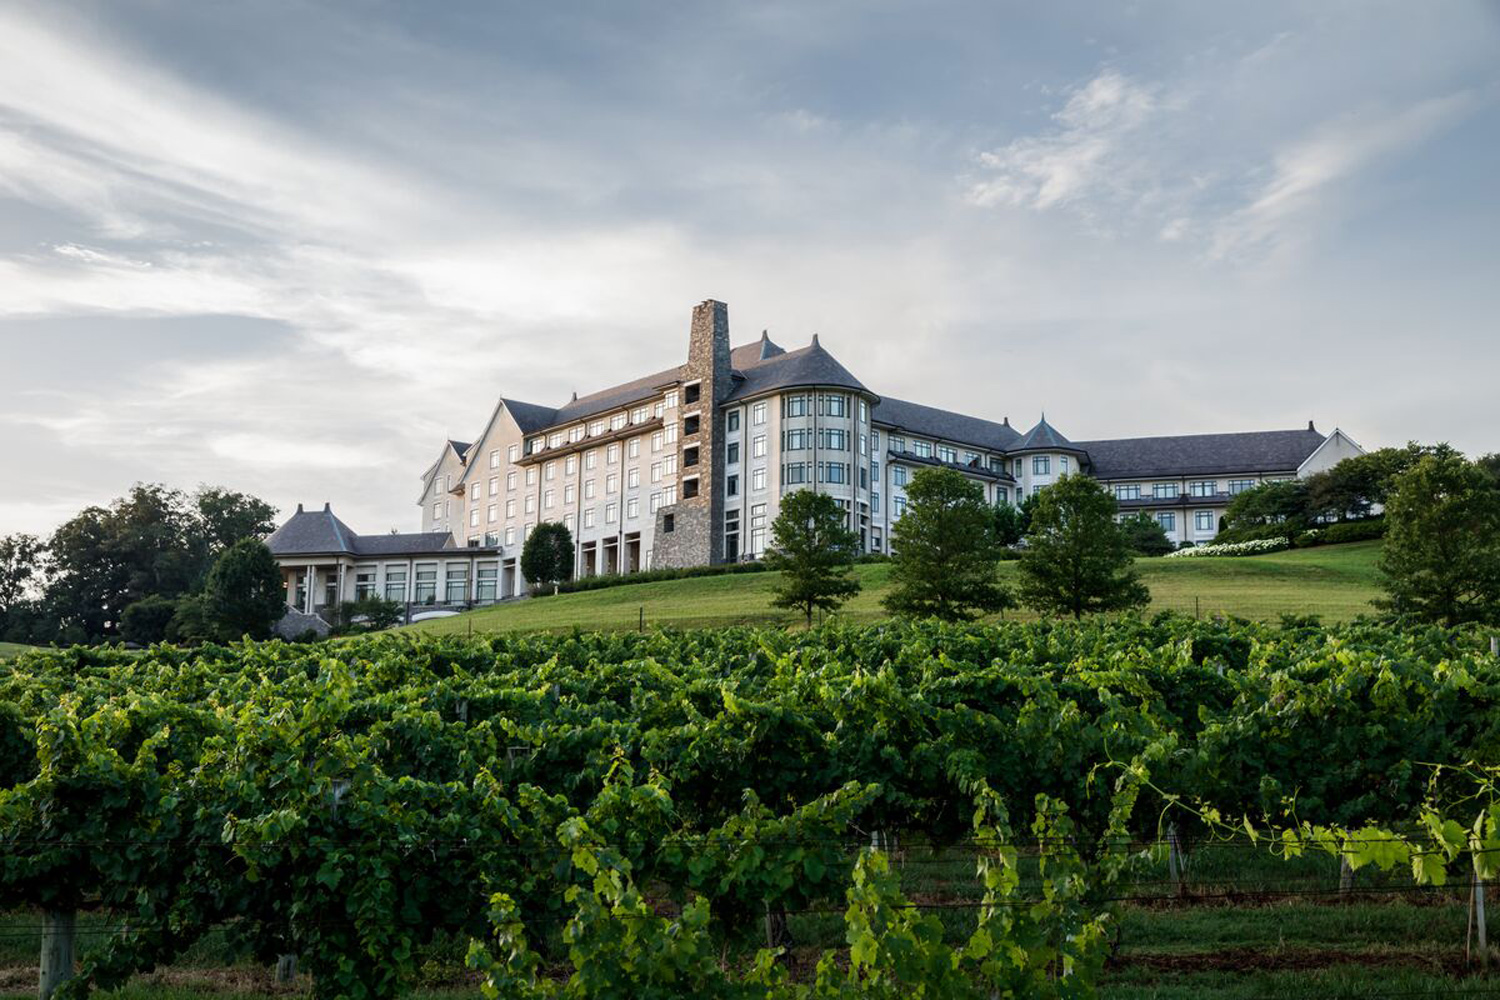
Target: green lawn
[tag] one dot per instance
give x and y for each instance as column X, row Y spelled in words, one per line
column 10, row 650
column 1335, row 581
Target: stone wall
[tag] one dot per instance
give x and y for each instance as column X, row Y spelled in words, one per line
column 295, row 624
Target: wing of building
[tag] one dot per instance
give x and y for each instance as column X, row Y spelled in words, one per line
column 688, row 466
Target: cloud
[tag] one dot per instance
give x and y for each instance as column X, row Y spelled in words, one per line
column 1079, row 156
column 1303, row 174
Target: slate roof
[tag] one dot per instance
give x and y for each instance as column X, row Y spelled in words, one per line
column 1201, row 454
column 308, row 533
column 810, row 365
column 929, row 421
column 462, row 447
column 531, row 417
column 1043, row 437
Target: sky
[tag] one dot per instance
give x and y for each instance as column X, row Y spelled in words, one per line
column 291, row 247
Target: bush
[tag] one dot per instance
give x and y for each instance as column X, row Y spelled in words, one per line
column 1353, row 531
column 147, row 620
column 1145, row 535
column 604, row 580
column 368, row 614
column 1253, row 548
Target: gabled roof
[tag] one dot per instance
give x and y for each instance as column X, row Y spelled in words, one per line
column 529, row 416
column 321, row 533
column 308, row 532
column 810, row 365
column 929, row 421
column 460, row 448
column 1201, row 454
column 1043, row 437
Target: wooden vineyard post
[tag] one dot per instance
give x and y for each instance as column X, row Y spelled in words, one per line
column 1174, row 859
column 1346, row 874
column 58, row 927
column 286, row 969
column 1484, row 944
column 1495, row 645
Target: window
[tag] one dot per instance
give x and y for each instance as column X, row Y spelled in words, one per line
column 570, row 493
column 492, row 513
column 731, row 486
column 611, row 513
column 437, row 510
column 669, row 523
column 833, row 406
column 494, row 486
column 658, row 408
column 1168, row 521
column 833, row 472
column 555, row 439
column 898, row 507
column 864, row 411
column 591, row 460
column 570, row 465
column 474, row 518
column 1203, row 521
column 758, row 414
column 510, row 536
column 690, row 487
column 611, row 483
column 1128, row 492
column 690, row 456
column 612, row 453
column 690, row 393
column 426, row 589
column 395, row 584
column 1205, row 488
column 669, row 495
column 526, row 532
column 864, row 444
column 875, row 503
column 510, row 479
column 588, row 517
column 575, row 434
column 732, row 453
column 758, row 479
column 596, row 428
column 946, row 454
column 758, row 446
column 1062, row 463
column 486, row 580
column 922, row 449
column 633, row 448
column 794, row 406
column 970, row 458
column 1041, row 465
column 732, row 421
column 492, row 538
column 1164, row 491
column 1002, row 495
column 1237, row 486
column 691, row 425
column 633, row 477
column 898, row 443
column 898, row 475
column 495, row 459
column 617, row 422
column 458, row 584
column 796, row 439
column 671, row 399
column 640, row 415
column 1016, row 467
column 364, row 583
column 656, row 440
column 731, row 536
column 531, row 475
column 757, row 528
column 510, row 507
column 672, row 434
column 834, row 439
column 547, row 497
column 795, row 473
column 530, row 504
column 513, row 452
column 633, row 508
column 655, row 502
column 874, row 470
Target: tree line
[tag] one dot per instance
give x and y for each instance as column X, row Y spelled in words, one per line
column 156, row 563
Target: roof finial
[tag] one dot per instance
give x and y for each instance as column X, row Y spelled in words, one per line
column 765, row 335
column 1310, row 425
column 815, row 341
column 299, row 508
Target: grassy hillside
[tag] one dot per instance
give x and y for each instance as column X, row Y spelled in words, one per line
column 1335, row 581
column 11, row 649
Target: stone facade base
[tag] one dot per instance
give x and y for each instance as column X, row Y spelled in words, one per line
column 295, row 624
column 689, row 543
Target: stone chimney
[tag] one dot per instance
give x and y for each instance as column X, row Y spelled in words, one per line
column 708, row 348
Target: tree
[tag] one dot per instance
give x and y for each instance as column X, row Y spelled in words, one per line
column 1281, row 507
column 1353, row 487
column 547, row 557
column 814, row 552
column 227, row 517
column 1011, row 522
column 1441, row 558
column 946, row 554
column 20, row 569
column 1491, row 464
column 147, row 620
column 1145, row 535
column 1077, row 560
column 245, row 594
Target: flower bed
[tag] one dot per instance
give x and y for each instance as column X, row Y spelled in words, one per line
column 1252, row 548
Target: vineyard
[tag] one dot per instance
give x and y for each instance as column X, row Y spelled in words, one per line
column 853, row 811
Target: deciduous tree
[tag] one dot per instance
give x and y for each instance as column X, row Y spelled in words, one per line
column 945, row 551
column 245, row 594
column 814, row 551
column 547, row 558
column 1077, row 560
